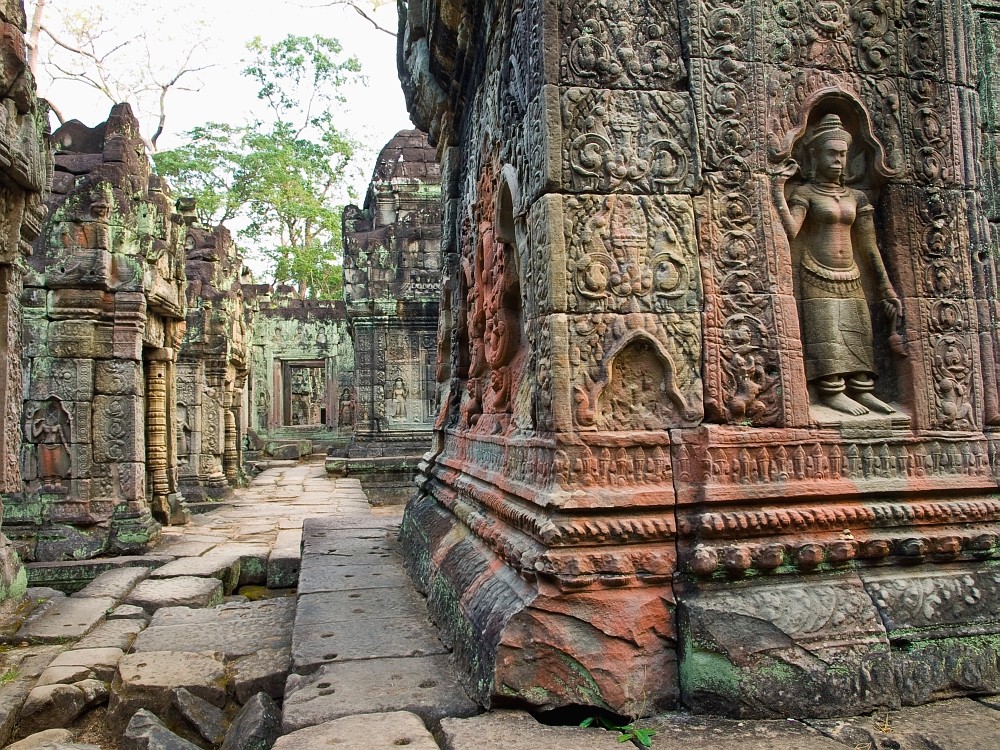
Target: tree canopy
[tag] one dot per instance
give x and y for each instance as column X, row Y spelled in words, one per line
column 284, row 173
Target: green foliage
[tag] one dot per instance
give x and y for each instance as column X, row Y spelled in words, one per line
column 284, row 174
column 626, row 732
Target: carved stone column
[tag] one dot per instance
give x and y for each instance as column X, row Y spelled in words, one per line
column 156, row 432
column 230, row 456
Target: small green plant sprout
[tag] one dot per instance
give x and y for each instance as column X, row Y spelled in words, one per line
column 626, row 732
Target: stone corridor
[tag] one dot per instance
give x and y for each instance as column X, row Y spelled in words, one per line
column 284, row 616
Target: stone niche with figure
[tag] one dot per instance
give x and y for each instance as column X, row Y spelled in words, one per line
column 392, row 283
column 719, row 423
column 212, row 366
column 104, row 312
column 24, row 176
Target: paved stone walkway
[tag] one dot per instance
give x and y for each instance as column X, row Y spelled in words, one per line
column 157, row 651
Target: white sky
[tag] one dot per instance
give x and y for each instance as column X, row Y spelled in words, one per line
column 377, row 110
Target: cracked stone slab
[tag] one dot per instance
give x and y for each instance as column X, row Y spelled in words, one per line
column 224, row 567
column 381, row 731
column 101, row 661
column 314, row 645
column 67, row 619
column 112, row 634
column 425, row 685
column 711, row 733
column 318, row 578
column 185, row 591
column 234, row 629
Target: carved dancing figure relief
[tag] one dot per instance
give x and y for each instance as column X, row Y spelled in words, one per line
column 399, row 400
column 50, row 432
column 832, row 226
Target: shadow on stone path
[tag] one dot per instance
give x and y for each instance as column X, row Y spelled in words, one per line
column 158, row 652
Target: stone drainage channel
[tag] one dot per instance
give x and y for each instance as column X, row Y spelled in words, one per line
column 325, row 644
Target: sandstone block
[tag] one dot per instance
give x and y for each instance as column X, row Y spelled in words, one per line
column 67, row 619
column 145, row 731
column 256, row 726
column 206, row 719
column 263, row 671
column 185, row 591
column 103, row 662
column 384, row 731
column 313, row 645
column 115, row 584
column 112, row 634
column 226, row 568
column 518, row 730
column 147, row 680
column 64, row 675
column 424, row 685
column 46, row 738
column 128, row 612
column 51, row 707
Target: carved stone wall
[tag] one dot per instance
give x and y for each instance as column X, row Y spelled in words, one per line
column 26, row 170
column 212, row 368
column 637, row 498
column 301, row 363
column 104, row 314
column 392, row 280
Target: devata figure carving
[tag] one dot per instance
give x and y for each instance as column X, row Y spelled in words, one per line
column 833, row 227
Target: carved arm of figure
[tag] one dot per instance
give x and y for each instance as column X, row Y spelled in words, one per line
column 864, row 241
column 792, row 218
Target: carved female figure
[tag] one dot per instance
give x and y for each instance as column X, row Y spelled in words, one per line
column 833, row 227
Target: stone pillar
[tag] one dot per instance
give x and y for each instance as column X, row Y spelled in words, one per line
column 156, row 432
column 230, row 458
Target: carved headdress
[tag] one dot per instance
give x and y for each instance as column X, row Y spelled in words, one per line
column 828, row 128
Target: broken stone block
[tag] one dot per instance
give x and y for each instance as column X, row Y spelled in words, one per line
column 185, row 591
column 64, row 675
column 385, row 731
column 285, row 560
column 94, row 691
column 147, row 680
column 115, row 583
column 145, row 731
column 208, row 720
column 424, row 685
column 101, row 661
column 256, row 726
column 44, row 739
column 51, row 707
column 264, row 671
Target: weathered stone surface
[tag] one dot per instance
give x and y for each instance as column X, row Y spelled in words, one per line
column 283, row 566
column 256, row 726
column 321, row 578
column 520, row 731
column 64, row 675
column 48, row 737
column 263, row 671
column 184, row 591
column 234, row 629
column 145, row 731
column 960, row 724
column 147, row 680
column 26, row 664
column 208, row 720
column 410, row 635
column 51, row 707
column 112, row 634
column 372, row 731
column 115, row 584
column 128, row 612
column 67, row 619
column 102, row 661
column 226, row 568
column 356, row 605
column 424, row 685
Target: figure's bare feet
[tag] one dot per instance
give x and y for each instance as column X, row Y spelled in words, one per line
column 840, row 402
column 873, row 403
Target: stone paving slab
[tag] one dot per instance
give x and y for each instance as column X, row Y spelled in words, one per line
column 27, row 664
column 68, row 619
column 712, row 733
column 518, row 730
column 358, row 604
column 116, row 583
column 225, row 567
column 185, row 591
column 319, row 644
column 960, row 724
column 425, row 685
column 101, row 661
column 319, row 578
column 382, row 731
column 112, row 634
column 234, row 629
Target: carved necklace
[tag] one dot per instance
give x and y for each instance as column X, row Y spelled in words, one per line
column 836, row 191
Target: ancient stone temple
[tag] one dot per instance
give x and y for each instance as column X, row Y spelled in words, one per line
column 104, row 310
column 392, row 270
column 24, row 175
column 721, row 359
column 212, row 367
column 302, row 364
